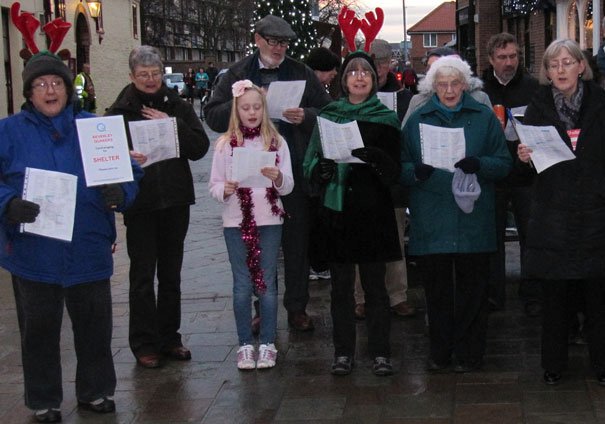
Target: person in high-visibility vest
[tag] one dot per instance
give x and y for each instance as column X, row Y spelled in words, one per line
column 85, row 89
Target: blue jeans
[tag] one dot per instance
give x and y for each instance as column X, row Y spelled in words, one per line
column 270, row 238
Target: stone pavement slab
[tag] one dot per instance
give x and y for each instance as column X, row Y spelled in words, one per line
column 209, row 389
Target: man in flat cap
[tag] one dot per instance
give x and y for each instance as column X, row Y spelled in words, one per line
column 267, row 64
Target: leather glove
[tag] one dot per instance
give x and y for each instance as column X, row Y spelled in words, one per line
column 422, row 171
column 113, row 195
column 327, row 167
column 468, row 165
column 367, row 154
column 19, row 211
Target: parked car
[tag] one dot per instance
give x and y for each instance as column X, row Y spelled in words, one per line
column 176, row 82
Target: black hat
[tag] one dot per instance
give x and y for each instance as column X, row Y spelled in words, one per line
column 274, row 27
column 45, row 63
column 441, row 51
column 322, row 59
column 359, row 54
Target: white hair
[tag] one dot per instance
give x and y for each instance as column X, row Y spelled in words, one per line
column 446, row 66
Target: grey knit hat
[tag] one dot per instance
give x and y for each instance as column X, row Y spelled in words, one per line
column 45, row 63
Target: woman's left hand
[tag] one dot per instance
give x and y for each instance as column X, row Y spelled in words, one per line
column 151, row 113
column 295, row 115
column 273, row 173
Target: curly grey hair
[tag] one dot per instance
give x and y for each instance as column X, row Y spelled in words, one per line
column 446, row 66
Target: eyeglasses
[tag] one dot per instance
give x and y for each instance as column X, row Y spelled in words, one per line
column 146, row 76
column 565, row 63
column 443, row 86
column 356, row 73
column 274, row 41
column 57, row 85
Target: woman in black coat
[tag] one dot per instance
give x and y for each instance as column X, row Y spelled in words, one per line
column 566, row 231
column 357, row 216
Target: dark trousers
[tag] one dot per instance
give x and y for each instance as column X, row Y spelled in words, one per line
column 40, row 314
column 456, row 295
column 378, row 319
column 556, row 316
column 529, row 289
column 295, row 245
column 155, row 240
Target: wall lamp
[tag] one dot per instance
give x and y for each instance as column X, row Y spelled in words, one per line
column 94, row 7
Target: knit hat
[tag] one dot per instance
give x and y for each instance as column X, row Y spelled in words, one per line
column 46, row 63
column 322, row 59
column 441, row 51
column 466, row 190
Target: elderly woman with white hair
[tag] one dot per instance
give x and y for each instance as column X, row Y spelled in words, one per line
column 453, row 237
column 565, row 246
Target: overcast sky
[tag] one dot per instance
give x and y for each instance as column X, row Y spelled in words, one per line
column 392, row 29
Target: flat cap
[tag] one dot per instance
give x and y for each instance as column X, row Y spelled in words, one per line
column 274, row 27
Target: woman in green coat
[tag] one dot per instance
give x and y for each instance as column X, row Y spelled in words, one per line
column 453, row 244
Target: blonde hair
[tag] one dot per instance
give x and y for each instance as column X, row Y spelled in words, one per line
column 553, row 50
column 268, row 131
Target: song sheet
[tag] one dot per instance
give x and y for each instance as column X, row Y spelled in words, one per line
column 157, row 139
column 547, row 145
column 339, row 140
column 104, row 149
column 284, row 95
column 247, row 164
column 442, row 147
column 389, row 99
column 55, row 192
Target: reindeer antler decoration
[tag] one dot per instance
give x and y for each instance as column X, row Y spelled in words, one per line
column 349, row 24
column 27, row 24
column 370, row 26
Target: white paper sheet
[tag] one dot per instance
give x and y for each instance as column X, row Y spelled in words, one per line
column 104, row 149
column 55, row 192
column 339, row 140
column 442, row 147
column 547, row 145
column 389, row 99
column 284, row 95
column 156, row 138
column 247, row 164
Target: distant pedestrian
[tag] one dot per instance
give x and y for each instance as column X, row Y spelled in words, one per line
column 189, row 80
column 252, row 219
column 212, row 73
column 410, row 78
column 85, row 89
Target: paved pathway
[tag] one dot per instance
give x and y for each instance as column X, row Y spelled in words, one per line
column 211, row 390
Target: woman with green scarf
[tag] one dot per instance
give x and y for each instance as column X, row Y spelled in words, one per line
column 357, row 216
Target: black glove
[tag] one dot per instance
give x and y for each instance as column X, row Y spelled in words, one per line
column 469, row 165
column 113, row 195
column 327, row 167
column 422, row 171
column 367, row 154
column 19, row 210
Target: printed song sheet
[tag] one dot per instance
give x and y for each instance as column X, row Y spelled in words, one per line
column 442, row 147
column 104, row 149
column 547, row 145
column 284, row 95
column 55, row 192
column 389, row 99
column 247, row 164
column 339, row 140
column 156, row 138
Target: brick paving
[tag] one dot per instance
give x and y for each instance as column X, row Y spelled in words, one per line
column 209, row 389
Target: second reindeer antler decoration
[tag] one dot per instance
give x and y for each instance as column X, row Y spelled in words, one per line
column 370, row 26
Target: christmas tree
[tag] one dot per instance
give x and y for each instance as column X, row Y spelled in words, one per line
column 298, row 14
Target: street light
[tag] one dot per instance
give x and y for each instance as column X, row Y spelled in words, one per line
column 405, row 38
column 94, row 7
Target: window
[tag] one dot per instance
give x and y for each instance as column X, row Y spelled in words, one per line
column 135, row 21
column 429, row 40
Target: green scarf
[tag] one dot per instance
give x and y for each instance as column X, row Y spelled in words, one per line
column 342, row 111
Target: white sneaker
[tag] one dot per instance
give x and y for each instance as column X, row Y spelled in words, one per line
column 267, row 355
column 245, row 357
column 314, row 275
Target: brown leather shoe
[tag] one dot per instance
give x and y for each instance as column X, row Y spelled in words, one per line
column 300, row 321
column 360, row 311
column 149, row 360
column 180, row 353
column 403, row 309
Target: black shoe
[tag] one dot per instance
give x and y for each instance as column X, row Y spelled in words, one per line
column 432, row 366
column 382, row 366
column 100, row 406
column 533, row 308
column 467, row 366
column 342, row 365
column 601, row 379
column 552, row 378
column 49, row 415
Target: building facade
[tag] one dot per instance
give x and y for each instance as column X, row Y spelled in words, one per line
column 104, row 42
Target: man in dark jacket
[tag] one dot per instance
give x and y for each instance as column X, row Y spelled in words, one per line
column 267, row 64
column 508, row 84
column 157, row 223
